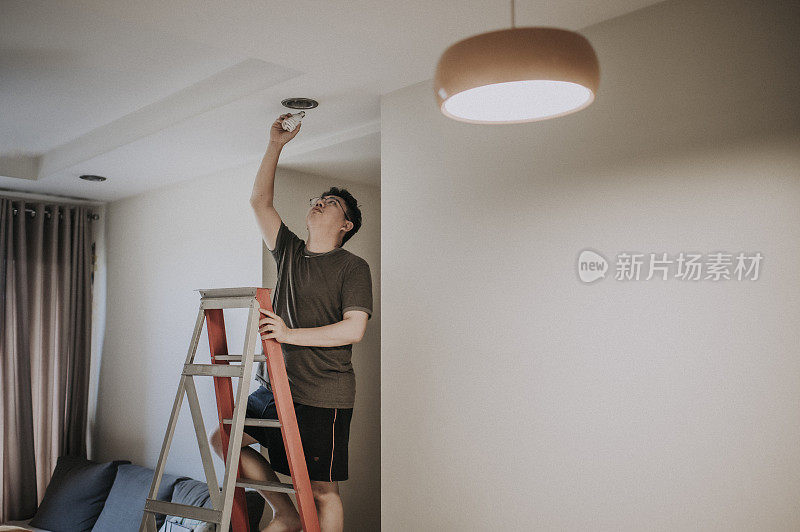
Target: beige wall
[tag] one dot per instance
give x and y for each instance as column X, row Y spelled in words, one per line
column 161, row 247
column 514, row 397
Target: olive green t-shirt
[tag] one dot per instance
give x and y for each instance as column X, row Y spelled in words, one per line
column 316, row 289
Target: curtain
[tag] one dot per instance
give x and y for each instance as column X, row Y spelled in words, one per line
column 46, row 270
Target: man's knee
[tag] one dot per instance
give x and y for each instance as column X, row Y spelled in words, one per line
column 325, row 491
column 216, row 441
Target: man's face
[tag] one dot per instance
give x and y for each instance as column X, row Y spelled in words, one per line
column 328, row 214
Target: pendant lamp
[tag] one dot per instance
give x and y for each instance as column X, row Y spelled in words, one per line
column 516, row 75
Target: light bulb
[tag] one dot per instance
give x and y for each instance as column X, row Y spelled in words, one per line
column 293, row 121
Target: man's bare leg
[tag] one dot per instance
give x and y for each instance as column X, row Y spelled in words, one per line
column 284, row 515
column 329, row 505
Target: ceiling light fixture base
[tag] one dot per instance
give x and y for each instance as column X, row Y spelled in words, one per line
column 299, row 103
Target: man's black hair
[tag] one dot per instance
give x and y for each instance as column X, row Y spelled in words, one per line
column 351, row 206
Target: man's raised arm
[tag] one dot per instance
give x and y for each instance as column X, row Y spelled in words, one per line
column 261, row 199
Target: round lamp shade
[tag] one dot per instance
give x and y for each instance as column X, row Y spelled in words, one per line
column 516, row 75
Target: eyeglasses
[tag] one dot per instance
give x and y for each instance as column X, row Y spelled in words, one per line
column 328, row 201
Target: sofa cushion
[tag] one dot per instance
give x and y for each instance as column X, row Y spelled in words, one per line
column 124, row 506
column 195, row 493
column 192, row 492
column 75, row 495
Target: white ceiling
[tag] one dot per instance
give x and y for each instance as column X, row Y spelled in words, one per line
column 150, row 93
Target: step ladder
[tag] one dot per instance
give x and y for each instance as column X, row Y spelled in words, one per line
column 229, row 506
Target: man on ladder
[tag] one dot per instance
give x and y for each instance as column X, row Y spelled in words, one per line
column 322, row 301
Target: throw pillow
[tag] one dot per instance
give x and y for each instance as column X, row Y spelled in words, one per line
column 75, row 496
column 124, row 507
column 192, row 493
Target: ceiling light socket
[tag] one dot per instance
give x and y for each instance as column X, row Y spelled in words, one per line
column 89, row 177
column 299, row 103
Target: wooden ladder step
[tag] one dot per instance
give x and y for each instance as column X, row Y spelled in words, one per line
column 208, row 515
column 226, row 302
column 256, row 422
column 213, row 370
column 238, row 358
column 264, row 485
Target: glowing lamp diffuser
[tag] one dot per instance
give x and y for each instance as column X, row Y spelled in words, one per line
column 516, row 75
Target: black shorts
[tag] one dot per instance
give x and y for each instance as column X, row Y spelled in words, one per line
column 325, row 433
